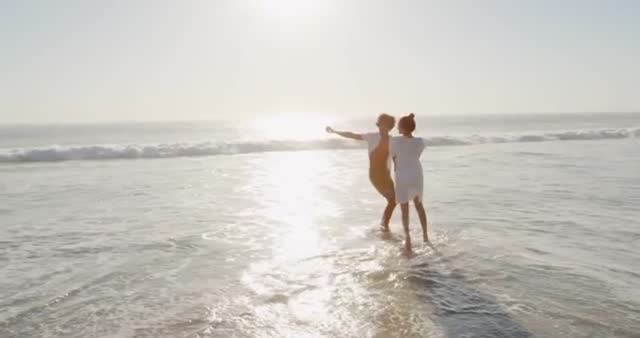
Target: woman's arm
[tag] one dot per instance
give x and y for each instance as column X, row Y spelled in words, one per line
column 345, row 134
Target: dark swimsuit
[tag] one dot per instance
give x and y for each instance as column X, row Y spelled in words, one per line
column 378, row 169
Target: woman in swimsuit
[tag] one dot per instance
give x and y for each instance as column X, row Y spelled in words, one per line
column 379, row 173
column 405, row 151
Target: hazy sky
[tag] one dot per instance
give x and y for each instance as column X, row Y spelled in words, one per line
column 99, row 60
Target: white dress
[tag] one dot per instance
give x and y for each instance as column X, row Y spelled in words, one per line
column 406, row 152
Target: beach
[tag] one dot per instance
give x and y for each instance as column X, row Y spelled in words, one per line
column 198, row 229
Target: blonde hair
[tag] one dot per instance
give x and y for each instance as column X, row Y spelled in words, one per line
column 387, row 120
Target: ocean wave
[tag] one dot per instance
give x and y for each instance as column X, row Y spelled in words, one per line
column 109, row 152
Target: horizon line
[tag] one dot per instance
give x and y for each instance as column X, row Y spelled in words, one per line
column 241, row 119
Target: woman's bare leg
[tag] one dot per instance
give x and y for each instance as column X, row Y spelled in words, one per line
column 404, row 207
column 388, row 211
column 423, row 218
column 385, row 188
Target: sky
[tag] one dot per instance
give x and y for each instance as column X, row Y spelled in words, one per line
column 147, row 60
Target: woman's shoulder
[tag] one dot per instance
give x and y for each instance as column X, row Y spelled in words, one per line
column 407, row 139
column 396, row 139
column 416, row 141
column 371, row 136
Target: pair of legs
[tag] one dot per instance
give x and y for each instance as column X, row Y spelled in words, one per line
column 384, row 185
column 404, row 207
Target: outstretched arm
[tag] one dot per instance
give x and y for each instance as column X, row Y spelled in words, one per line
column 345, row 134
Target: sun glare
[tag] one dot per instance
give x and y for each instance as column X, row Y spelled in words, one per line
column 292, row 197
column 291, row 127
column 293, row 9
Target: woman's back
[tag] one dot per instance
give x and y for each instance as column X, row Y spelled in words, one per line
column 406, row 153
column 378, row 151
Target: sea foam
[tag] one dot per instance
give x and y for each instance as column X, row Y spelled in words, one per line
column 133, row 151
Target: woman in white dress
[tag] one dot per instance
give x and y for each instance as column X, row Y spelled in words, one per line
column 405, row 151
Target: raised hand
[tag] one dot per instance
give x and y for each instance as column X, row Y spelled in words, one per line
column 330, row 130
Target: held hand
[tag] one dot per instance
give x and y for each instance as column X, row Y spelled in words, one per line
column 329, row 130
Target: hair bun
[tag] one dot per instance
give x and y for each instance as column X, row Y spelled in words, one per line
column 412, row 115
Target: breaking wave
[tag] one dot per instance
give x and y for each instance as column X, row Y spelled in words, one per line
column 107, row 152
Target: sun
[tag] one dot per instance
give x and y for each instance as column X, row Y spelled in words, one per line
column 293, row 9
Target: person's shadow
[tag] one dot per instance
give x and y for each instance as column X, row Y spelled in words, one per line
column 459, row 309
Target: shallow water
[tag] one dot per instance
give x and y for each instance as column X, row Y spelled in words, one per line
column 528, row 239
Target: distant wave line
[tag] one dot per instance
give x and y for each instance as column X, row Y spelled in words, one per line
column 110, row 152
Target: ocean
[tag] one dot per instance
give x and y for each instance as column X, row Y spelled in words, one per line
column 269, row 228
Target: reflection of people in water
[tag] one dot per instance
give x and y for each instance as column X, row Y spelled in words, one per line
column 405, row 151
column 378, row 161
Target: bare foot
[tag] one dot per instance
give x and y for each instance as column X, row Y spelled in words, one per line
column 425, row 238
column 407, row 245
column 385, row 228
